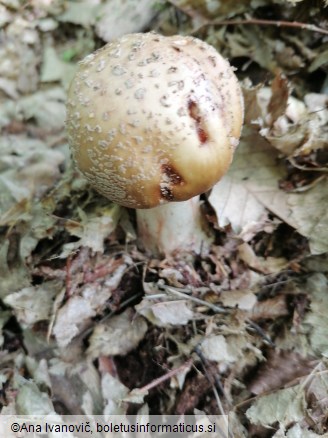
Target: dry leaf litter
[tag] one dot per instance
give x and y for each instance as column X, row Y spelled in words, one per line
column 91, row 324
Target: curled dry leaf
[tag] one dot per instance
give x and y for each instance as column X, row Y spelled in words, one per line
column 284, row 406
column 217, row 349
column 271, row 308
column 5, row 16
column 39, row 370
column 310, row 215
column 293, row 127
column 117, row 18
column 71, row 319
column 11, row 279
column 251, row 185
column 119, row 335
column 94, row 227
column 279, row 98
column 55, row 69
column 30, row 400
column 76, row 313
column 280, row 368
column 304, row 404
column 166, row 313
column 20, row 56
column 137, row 396
column 75, row 382
column 243, row 299
column 297, row 431
column 82, row 13
column 317, row 392
column 34, row 303
column 268, row 265
column 113, row 392
column 315, row 323
column 227, row 349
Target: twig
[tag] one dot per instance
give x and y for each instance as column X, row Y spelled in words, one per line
column 307, row 187
column 218, row 309
column 217, row 386
column 211, row 306
column 308, row 169
column 210, row 377
column 248, row 21
column 312, row 374
column 68, row 280
column 166, row 376
column 258, row 329
column 262, row 22
column 190, row 12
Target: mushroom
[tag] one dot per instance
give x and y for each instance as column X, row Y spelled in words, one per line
column 152, row 123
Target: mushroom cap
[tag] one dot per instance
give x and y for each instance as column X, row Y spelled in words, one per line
column 153, row 119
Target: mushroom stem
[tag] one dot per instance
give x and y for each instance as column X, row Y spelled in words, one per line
column 173, row 227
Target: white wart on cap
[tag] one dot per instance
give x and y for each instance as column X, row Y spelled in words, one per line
column 154, row 119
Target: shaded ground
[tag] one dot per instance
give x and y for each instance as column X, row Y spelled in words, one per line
column 86, row 317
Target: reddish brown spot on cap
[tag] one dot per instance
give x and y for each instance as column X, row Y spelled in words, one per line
column 166, row 193
column 195, row 114
column 170, row 178
column 171, row 174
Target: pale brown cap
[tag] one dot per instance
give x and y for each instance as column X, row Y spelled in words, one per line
column 153, row 119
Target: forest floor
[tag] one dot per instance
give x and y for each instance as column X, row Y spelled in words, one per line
column 90, row 323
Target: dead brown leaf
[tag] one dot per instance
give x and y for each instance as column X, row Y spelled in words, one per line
column 271, row 308
column 280, row 368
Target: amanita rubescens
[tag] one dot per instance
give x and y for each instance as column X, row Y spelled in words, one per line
column 153, row 120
